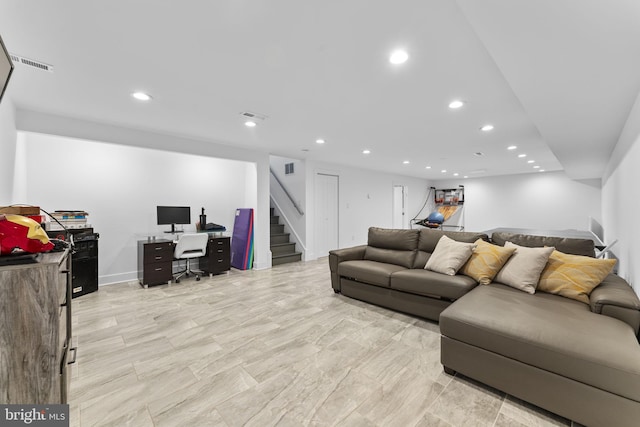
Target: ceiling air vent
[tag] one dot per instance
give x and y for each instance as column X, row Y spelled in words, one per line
column 17, row 59
column 255, row 116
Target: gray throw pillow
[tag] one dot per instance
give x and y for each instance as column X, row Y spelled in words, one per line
column 522, row 271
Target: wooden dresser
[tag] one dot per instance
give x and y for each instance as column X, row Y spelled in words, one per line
column 35, row 330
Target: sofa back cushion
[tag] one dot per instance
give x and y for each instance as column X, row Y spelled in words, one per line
column 563, row 244
column 429, row 239
column 392, row 246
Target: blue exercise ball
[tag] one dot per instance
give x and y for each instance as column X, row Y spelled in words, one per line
column 435, row 218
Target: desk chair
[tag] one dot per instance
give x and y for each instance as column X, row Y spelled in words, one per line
column 190, row 246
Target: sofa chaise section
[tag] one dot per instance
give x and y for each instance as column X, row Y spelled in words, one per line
column 547, row 350
column 581, row 361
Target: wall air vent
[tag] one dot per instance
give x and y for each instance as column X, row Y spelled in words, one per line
column 288, row 168
column 17, row 59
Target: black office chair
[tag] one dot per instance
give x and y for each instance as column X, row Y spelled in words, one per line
column 190, row 246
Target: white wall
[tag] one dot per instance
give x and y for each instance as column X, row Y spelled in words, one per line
column 68, row 127
column 365, row 200
column 620, row 202
column 121, row 186
column 7, row 148
column 548, row 201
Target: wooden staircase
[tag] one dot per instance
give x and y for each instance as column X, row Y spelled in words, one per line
column 282, row 250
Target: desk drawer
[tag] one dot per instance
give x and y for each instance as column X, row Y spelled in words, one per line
column 157, row 273
column 158, row 252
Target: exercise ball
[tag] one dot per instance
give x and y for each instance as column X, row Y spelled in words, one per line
column 435, row 218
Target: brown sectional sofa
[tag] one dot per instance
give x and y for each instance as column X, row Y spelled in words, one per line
column 581, row 361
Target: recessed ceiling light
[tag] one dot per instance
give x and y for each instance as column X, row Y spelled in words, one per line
column 443, row 171
column 466, row 176
column 486, row 128
column 536, row 167
column 512, row 147
column 522, row 155
column 366, row 151
column 456, row 174
column 456, row 104
column 250, row 124
column 541, row 170
column 398, row 56
column 320, row 141
column 427, row 167
column 531, row 161
column 141, row 96
column 406, row 162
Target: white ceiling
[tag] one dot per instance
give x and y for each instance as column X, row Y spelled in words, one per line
column 556, row 78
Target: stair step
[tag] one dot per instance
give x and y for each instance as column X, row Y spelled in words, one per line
column 279, row 238
column 275, row 219
column 285, row 258
column 282, row 248
column 277, row 228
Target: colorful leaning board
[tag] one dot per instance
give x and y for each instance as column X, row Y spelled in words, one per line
column 242, row 240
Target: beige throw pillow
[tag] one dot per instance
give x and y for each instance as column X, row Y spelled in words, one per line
column 486, row 261
column 522, row 271
column 449, row 256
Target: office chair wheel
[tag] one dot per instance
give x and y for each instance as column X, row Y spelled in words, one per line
column 197, row 278
column 177, row 280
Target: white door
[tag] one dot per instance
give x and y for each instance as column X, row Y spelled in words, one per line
column 326, row 214
column 400, row 218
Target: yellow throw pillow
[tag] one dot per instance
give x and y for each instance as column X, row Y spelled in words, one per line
column 574, row 276
column 485, row 262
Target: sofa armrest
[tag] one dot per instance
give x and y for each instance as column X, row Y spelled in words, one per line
column 340, row 255
column 615, row 298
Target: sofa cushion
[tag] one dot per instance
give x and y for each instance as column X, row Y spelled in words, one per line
column 390, row 256
column 485, row 262
column 522, row 271
column 567, row 245
column 385, row 238
column 429, row 238
column 373, row 272
column 430, row 283
column 552, row 333
column 392, row 246
column 574, row 276
column 449, row 256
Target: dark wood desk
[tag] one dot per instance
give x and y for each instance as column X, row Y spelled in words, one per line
column 155, row 259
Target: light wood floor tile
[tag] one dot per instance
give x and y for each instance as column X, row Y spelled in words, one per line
column 265, row 348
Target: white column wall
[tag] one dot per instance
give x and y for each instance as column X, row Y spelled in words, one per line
column 8, row 137
column 620, row 201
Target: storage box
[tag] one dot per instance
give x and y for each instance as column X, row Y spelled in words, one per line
column 20, row 210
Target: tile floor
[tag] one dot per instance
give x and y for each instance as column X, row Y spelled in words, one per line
column 263, row 348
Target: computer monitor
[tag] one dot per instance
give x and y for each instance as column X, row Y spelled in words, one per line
column 173, row 215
